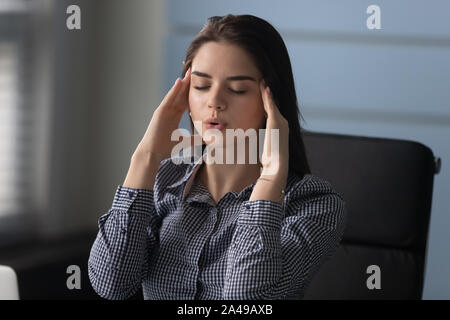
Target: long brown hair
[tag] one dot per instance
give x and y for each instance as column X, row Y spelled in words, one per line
column 260, row 39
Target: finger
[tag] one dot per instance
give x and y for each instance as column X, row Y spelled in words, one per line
column 269, row 96
column 172, row 94
column 186, row 80
column 183, row 94
column 262, row 90
column 187, row 75
column 267, row 100
column 271, row 102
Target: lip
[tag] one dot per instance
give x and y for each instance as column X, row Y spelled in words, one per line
column 214, row 126
column 219, row 124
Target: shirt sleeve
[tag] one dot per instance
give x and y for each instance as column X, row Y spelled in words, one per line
column 276, row 248
column 127, row 233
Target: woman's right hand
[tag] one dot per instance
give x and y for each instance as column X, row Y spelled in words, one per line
column 165, row 120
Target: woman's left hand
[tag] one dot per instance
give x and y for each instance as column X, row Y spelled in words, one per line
column 275, row 162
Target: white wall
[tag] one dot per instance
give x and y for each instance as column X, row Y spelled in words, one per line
column 103, row 86
column 129, row 90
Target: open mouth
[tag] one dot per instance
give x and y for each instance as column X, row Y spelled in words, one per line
column 215, row 125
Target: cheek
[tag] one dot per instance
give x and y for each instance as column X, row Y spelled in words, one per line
column 258, row 115
column 195, row 101
column 255, row 109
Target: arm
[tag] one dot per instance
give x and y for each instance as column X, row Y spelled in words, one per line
column 275, row 257
column 127, row 233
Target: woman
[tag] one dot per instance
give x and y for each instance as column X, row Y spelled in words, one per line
column 207, row 230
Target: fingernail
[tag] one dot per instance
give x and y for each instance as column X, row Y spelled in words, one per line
column 176, row 81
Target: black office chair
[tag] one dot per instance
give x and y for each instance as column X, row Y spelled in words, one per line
column 387, row 185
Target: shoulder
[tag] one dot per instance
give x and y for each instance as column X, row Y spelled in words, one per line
column 314, row 196
column 172, row 172
column 308, row 185
column 174, row 166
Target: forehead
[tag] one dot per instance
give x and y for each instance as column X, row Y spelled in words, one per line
column 221, row 59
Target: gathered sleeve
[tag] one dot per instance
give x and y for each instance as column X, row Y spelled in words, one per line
column 277, row 248
column 127, row 232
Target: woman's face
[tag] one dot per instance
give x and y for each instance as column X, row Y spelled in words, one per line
column 236, row 102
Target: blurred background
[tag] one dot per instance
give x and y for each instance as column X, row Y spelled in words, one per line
column 74, row 104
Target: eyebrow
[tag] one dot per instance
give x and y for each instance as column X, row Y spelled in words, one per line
column 233, row 78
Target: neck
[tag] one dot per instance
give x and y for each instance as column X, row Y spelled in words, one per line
column 228, row 175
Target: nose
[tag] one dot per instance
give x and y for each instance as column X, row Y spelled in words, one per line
column 217, row 107
column 216, row 101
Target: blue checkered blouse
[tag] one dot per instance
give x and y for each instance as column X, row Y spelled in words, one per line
column 175, row 243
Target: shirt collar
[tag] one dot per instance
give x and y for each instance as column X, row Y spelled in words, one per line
column 189, row 177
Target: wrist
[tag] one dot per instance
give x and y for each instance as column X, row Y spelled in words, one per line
column 280, row 175
column 142, row 172
column 276, row 169
column 267, row 189
column 146, row 157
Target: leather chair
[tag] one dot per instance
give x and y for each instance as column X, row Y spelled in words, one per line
column 387, row 185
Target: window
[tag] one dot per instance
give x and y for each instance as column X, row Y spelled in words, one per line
column 16, row 120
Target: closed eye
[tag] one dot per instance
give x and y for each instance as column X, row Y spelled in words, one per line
column 234, row 91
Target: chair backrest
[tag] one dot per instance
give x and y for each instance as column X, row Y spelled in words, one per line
column 387, row 185
column 9, row 289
